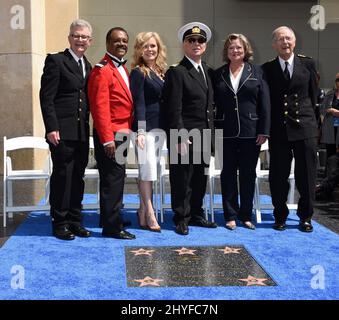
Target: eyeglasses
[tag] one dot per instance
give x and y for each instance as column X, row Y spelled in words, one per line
column 80, row 36
column 193, row 40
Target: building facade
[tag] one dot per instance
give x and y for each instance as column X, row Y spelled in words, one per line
column 32, row 28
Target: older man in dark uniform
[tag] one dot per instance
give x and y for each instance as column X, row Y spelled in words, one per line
column 292, row 80
column 188, row 104
column 65, row 113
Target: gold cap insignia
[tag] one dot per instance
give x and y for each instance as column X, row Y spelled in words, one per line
column 195, row 30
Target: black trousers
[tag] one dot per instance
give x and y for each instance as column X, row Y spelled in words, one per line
column 188, row 188
column 112, row 181
column 238, row 154
column 67, row 185
column 305, row 155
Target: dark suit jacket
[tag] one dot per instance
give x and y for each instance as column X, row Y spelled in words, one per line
column 186, row 102
column 146, row 92
column 246, row 112
column 293, row 103
column 63, row 97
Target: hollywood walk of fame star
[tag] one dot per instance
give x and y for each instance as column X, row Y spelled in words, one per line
column 184, row 250
column 148, row 281
column 228, row 250
column 253, row 281
column 142, row 251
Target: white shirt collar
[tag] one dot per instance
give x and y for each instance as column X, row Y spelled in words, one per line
column 195, row 65
column 115, row 63
column 290, row 62
column 76, row 58
column 120, row 69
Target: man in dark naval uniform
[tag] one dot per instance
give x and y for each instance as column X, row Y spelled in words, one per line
column 65, row 111
column 188, row 104
column 292, row 81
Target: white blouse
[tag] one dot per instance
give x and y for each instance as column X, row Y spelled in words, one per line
column 236, row 80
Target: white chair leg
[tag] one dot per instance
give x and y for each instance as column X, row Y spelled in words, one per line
column 47, row 193
column 205, row 208
column 155, row 198
column 257, row 202
column 291, row 192
column 5, row 203
column 10, row 197
column 211, row 184
column 162, row 196
column 98, row 195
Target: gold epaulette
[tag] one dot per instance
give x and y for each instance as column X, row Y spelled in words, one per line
column 303, row 56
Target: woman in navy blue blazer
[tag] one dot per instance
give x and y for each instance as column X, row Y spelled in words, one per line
column 243, row 112
column 149, row 63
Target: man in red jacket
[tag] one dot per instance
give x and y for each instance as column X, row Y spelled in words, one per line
column 111, row 107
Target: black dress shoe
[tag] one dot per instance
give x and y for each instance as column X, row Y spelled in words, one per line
column 124, row 235
column 203, row 223
column 305, row 226
column 181, row 228
column 279, row 226
column 63, row 233
column 80, row 231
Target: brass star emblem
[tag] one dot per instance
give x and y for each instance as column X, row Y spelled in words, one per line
column 253, row 281
column 185, row 251
column 142, row 251
column 148, row 281
column 228, row 250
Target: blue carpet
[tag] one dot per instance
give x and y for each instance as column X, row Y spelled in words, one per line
column 94, row 268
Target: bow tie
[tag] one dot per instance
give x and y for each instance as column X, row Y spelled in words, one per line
column 118, row 62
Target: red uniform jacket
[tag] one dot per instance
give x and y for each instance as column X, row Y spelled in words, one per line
column 110, row 100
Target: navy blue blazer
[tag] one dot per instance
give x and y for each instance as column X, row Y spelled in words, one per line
column 146, row 92
column 246, row 112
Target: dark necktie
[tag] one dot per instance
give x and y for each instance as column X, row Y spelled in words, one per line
column 202, row 75
column 80, row 67
column 286, row 72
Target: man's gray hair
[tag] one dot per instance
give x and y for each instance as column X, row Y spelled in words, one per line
column 276, row 30
column 80, row 23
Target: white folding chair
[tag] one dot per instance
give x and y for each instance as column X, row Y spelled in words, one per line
column 262, row 175
column 92, row 174
column 10, row 175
